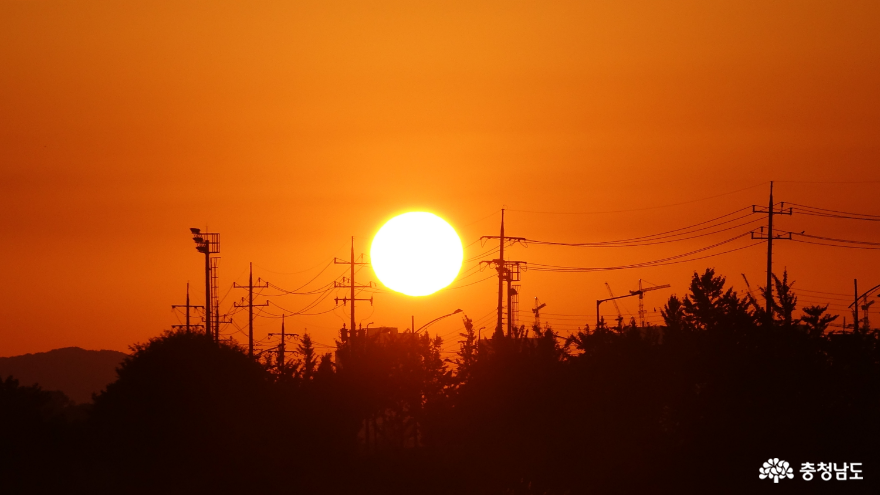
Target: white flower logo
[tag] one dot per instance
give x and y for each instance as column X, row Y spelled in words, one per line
column 774, row 468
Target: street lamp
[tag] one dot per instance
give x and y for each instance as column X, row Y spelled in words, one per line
column 435, row 320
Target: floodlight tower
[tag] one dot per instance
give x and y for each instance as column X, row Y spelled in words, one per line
column 208, row 244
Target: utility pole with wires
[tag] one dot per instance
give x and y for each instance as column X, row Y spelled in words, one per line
column 351, row 285
column 250, row 306
column 503, row 270
column 282, row 346
column 855, row 306
column 769, row 236
column 187, row 306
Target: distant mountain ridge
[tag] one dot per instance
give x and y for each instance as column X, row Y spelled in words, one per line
column 75, row 371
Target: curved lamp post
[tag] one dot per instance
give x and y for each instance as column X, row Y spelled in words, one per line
column 426, row 325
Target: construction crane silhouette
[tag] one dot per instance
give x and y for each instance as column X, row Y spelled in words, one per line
column 537, row 311
column 749, row 287
column 640, row 292
column 616, row 307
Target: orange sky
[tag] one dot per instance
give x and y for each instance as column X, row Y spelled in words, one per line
column 290, row 126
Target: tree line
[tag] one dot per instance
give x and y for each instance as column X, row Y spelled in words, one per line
column 696, row 404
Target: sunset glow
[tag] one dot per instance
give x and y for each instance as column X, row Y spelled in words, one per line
column 416, row 253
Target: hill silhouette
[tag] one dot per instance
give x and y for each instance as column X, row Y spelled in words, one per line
column 77, row 372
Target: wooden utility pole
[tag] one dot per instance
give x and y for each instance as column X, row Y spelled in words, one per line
column 770, row 211
column 250, row 305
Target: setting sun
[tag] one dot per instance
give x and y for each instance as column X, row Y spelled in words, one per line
column 416, row 253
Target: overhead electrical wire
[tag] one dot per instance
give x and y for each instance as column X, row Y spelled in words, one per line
column 640, row 209
column 833, row 245
column 472, row 283
column 834, row 212
column 660, row 262
column 654, row 241
column 831, row 239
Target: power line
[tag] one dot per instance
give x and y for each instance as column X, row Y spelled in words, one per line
column 652, row 241
column 639, row 209
column 834, row 245
column 835, row 211
column 830, row 215
column 660, row 262
column 848, row 241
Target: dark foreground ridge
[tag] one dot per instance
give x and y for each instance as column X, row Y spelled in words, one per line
column 695, row 406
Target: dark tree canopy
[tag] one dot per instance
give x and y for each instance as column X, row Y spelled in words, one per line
column 693, row 406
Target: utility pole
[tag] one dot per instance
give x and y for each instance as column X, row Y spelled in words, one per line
column 641, row 305
column 282, row 346
column 187, row 306
column 250, row 305
column 770, row 211
column 856, row 306
column 351, row 286
column 208, row 244
column 502, row 268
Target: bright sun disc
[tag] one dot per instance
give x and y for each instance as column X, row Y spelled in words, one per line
column 416, row 253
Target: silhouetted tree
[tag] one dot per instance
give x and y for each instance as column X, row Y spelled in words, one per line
column 467, row 350
column 191, row 412
column 308, row 359
column 784, row 301
column 815, row 321
column 42, row 439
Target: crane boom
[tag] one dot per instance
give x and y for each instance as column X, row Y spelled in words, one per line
column 613, row 298
column 616, row 307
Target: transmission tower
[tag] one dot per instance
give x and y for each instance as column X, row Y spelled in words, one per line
column 250, row 306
